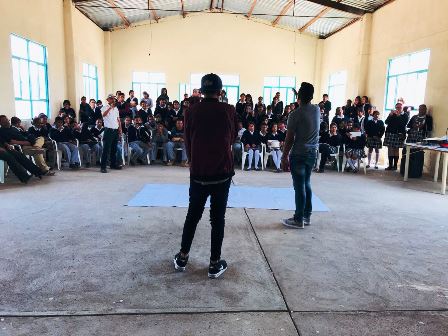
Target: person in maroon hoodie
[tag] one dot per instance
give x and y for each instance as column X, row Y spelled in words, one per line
column 211, row 169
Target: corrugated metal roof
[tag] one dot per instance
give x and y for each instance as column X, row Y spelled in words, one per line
column 105, row 15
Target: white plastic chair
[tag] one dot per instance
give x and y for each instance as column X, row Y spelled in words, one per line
column 335, row 156
column 3, row 171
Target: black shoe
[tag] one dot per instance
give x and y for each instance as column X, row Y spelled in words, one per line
column 104, row 170
column 180, row 263
column 292, row 223
column 116, row 167
column 307, row 221
column 389, row 168
column 215, row 270
column 278, row 170
column 248, row 169
column 319, row 171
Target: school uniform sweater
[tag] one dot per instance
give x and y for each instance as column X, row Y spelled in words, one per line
column 251, row 139
column 375, row 128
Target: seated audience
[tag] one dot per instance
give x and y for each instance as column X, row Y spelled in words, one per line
column 275, row 145
column 144, row 112
column 252, row 145
column 328, row 144
column 122, row 106
column 195, row 97
column 159, row 140
column 374, row 132
column 66, row 142
column 161, row 112
column 175, row 114
column 19, row 164
column 138, row 152
column 237, row 146
column 250, row 116
column 282, row 130
column 240, row 107
column 354, row 149
column 31, row 145
column 177, row 142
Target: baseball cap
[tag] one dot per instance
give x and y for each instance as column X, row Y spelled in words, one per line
column 211, row 83
column 110, row 96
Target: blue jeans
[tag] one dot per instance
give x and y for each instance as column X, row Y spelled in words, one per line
column 301, row 167
column 171, row 146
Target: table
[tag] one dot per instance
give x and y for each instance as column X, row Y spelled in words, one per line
column 441, row 153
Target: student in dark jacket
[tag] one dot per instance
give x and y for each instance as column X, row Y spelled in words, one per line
column 163, row 95
column 97, row 112
column 260, row 103
column 174, row 114
column 250, row 117
column 329, row 142
column 67, row 109
column 86, row 141
column 354, row 149
column 240, row 106
column 339, row 117
column 395, row 134
column 264, row 134
column 144, row 112
column 177, row 142
column 277, row 106
column 326, row 104
column 123, row 107
column 211, row 169
column 420, row 126
column 374, row 132
column 85, row 111
column 66, row 142
column 132, row 98
column 252, row 145
column 161, row 113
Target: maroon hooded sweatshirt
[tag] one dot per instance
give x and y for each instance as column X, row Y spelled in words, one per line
column 210, row 131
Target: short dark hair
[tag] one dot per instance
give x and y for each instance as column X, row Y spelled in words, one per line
column 306, row 92
column 131, row 91
column 58, row 119
column 66, row 102
column 83, row 97
column 99, row 102
column 175, row 101
column 325, row 95
column 15, row 120
column 250, row 123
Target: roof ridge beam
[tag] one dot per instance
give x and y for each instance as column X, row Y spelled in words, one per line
column 340, row 6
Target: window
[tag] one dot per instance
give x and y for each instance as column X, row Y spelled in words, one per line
column 183, row 89
column 30, row 74
column 230, row 84
column 336, row 89
column 282, row 84
column 406, row 78
column 90, row 81
column 151, row 82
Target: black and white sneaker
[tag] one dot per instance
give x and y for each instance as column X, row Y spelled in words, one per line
column 180, row 263
column 292, row 223
column 307, row 221
column 215, row 270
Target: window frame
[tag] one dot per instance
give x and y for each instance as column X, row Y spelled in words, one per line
column 95, row 79
column 157, row 84
column 29, row 61
column 332, row 86
column 389, row 77
column 278, row 89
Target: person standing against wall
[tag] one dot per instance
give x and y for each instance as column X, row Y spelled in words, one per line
column 302, row 140
column 211, row 169
column 112, row 129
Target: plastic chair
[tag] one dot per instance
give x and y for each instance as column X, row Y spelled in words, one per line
column 336, row 157
column 244, row 155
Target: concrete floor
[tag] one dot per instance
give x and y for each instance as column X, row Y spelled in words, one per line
column 75, row 261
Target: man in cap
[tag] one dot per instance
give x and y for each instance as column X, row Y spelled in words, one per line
column 302, row 139
column 211, row 169
column 112, row 129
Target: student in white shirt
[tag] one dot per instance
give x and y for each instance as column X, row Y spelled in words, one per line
column 112, row 129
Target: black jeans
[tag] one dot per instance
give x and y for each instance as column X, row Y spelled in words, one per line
column 20, row 164
column 110, row 141
column 199, row 193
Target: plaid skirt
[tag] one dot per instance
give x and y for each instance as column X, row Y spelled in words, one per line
column 374, row 143
column 393, row 140
column 358, row 152
column 415, row 136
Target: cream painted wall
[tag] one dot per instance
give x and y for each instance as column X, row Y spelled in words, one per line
column 406, row 26
column 225, row 44
column 70, row 38
column 402, row 27
column 342, row 52
column 89, row 48
column 27, row 19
